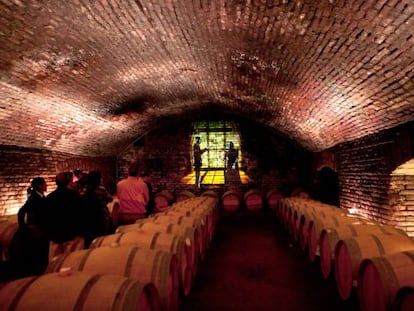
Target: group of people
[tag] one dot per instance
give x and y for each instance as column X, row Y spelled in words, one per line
column 76, row 208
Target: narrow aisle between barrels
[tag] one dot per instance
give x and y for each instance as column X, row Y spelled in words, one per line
column 252, row 265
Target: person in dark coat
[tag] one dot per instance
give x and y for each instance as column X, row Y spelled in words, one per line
column 31, row 251
column 95, row 201
column 65, row 217
column 151, row 203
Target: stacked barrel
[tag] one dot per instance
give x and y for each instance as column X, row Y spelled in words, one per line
column 374, row 261
column 149, row 265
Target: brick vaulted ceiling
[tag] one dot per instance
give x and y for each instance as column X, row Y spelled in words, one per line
column 90, row 76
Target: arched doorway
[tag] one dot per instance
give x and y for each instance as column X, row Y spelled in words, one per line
column 327, row 186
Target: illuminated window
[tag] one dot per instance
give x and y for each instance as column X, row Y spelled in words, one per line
column 216, row 136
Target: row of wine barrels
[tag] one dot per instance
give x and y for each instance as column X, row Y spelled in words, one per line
column 156, row 241
column 190, row 220
column 350, row 252
column 331, row 235
column 139, row 263
column 204, row 207
column 299, row 215
column 375, row 259
column 328, row 220
column 253, row 199
column 101, row 259
column 73, row 290
column 189, row 234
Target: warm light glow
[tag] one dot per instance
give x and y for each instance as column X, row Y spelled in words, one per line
column 353, row 211
column 215, row 177
column 216, row 138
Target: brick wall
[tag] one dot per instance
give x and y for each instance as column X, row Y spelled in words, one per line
column 18, row 166
column 365, row 168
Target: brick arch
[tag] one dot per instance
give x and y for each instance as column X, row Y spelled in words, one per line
column 326, row 158
column 401, row 197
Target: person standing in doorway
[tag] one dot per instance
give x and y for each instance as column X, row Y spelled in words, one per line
column 197, row 152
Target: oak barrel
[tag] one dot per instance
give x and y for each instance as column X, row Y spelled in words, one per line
column 73, row 290
column 405, row 299
column 253, row 200
column 331, row 235
column 140, row 263
column 273, row 196
column 380, row 278
column 184, row 195
column 157, row 241
column 350, row 252
column 231, row 201
column 163, row 200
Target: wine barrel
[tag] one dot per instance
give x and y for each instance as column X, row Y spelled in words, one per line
column 184, row 195
column 350, row 252
column 253, row 200
column 8, row 230
column 331, row 235
column 210, row 193
column 140, row 263
column 380, row 278
column 73, row 290
column 157, row 241
column 231, row 201
column 405, row 299
column 273, row 196
column 163, row 200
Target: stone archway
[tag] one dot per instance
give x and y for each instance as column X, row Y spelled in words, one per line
column 401, row 197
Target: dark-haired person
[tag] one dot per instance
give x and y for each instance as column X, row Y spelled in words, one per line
column 133, row 197
column 65, row 218
column 95, row 200
column 151, row 202
column 32, row 254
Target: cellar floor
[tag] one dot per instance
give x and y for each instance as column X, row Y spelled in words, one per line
column 252, row 264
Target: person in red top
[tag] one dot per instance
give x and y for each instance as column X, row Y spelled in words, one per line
column 133, row 195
